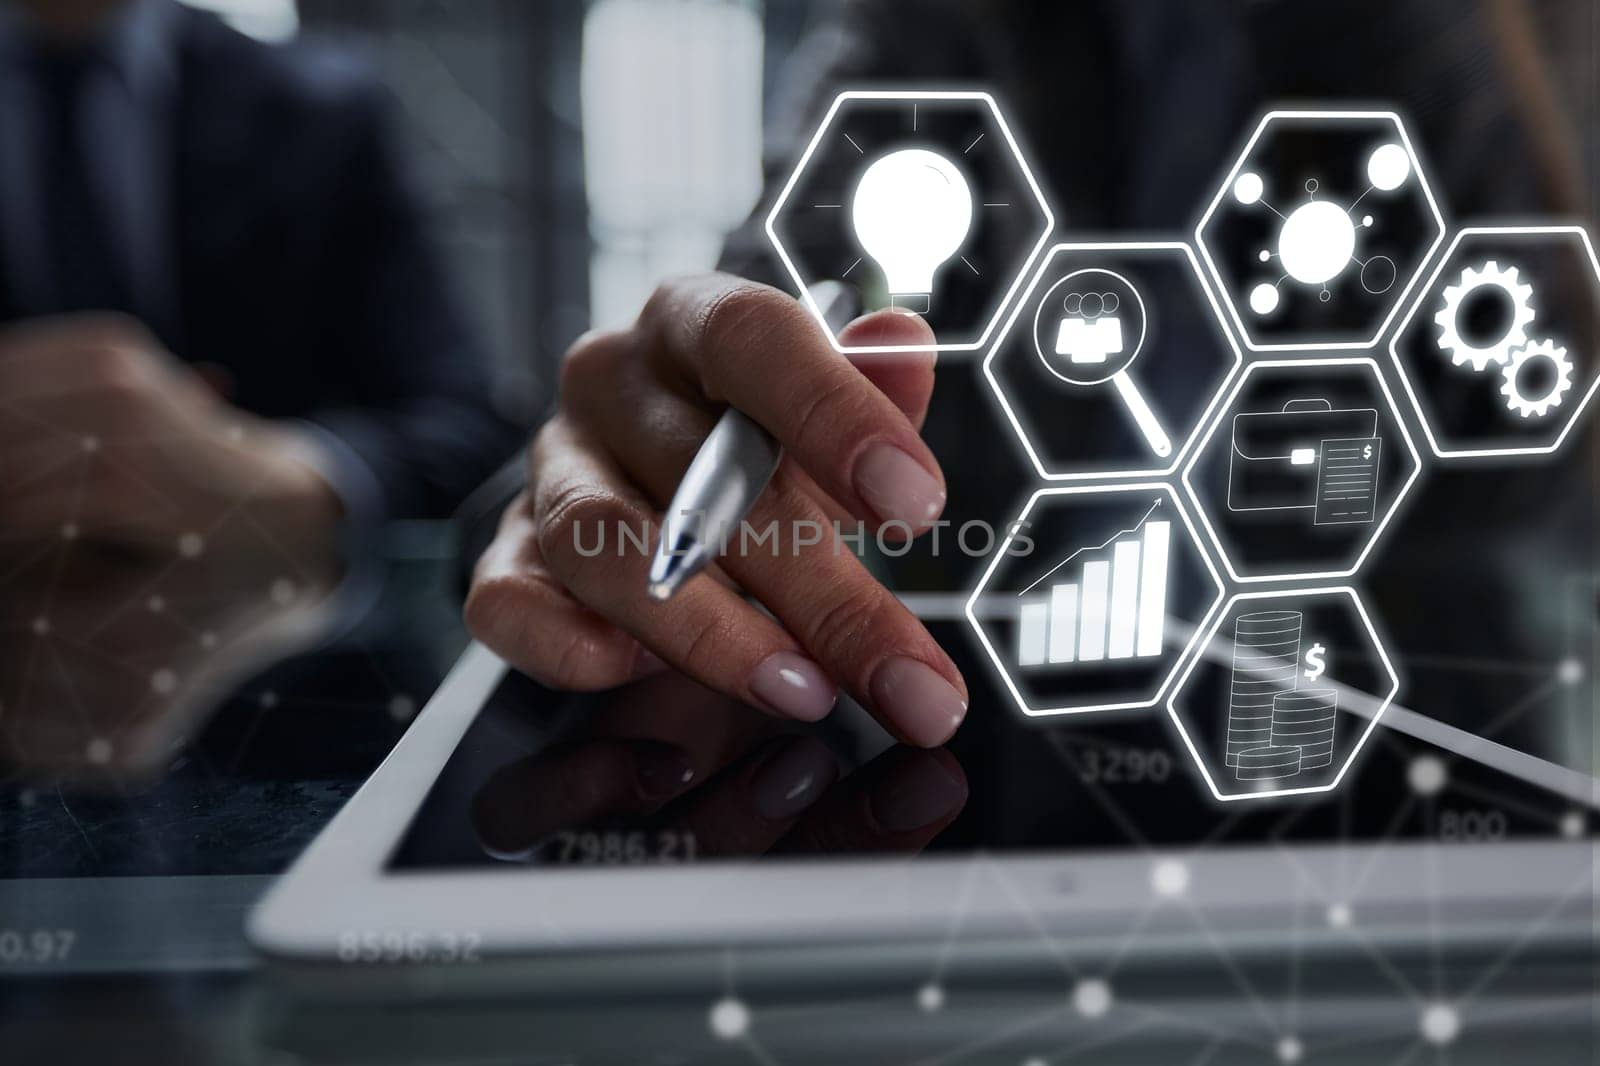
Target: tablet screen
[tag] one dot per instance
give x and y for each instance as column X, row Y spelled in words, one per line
column 664, row 771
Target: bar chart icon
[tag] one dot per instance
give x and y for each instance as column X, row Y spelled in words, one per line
column 1111, row 608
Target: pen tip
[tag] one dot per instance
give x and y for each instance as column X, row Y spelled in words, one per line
column 660, row 591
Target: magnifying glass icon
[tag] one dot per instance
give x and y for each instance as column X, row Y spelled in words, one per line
column 1088, row 329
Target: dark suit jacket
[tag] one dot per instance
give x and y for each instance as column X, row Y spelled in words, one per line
column 304, row 270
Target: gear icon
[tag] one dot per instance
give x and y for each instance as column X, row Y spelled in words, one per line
column 1472, row 279
column 1559, row 376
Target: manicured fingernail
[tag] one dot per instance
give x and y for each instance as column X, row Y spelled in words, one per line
column 919, row 791
column 897, row 487
column 661, row 770
column 926, row 708
column 793, row 777
column 793, row 686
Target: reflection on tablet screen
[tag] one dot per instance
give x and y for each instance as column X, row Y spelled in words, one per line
column 664, row 771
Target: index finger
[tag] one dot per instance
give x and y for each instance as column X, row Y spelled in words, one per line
column 751, row 346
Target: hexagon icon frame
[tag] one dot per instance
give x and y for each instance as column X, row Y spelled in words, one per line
column 1210, row 630
column 1203, row 439
column 1419, row 298
column 1405, row 291
column 805, row 157
column 1179, row 453
column 1178, row 661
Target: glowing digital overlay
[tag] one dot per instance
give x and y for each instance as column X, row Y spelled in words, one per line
column 1113, row 356
column 1284, row 692
column 1320, row 256
column 1105, row 603
column 1483, row 343
column 924, row 201
column 1302, row 469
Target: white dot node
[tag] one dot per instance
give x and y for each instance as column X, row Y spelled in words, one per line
column 930, row 997
column 283, row 591
column 91, row 445
column 1570, row 672
column 41, row 626
column 1440, row 1023
column 1092, row 997
column 1388, row 167
column 1572, row 826
column 1290, row 1050
column 1248, row 187
column 190, row 545
column 69, row 531
column 163, row 681
column 1366, row 221
column 401, row 708
column 1265, row 255
column 156, row 604
column 1427, row 775
column 1264, row 298
column 1316, row 242
column 98, row 751
column 1170, row 878
column 268, row 699
column 1339, row 915
column 730, row 1019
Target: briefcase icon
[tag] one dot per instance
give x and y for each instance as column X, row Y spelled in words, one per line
column 1087, row 341
column 1277, row 455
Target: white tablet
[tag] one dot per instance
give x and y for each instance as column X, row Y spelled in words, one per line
column 512, row 822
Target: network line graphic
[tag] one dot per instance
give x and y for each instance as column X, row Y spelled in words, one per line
column 1086, row 1010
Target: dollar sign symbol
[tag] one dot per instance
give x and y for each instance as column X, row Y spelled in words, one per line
column 1366, row 453
column 1315, row 661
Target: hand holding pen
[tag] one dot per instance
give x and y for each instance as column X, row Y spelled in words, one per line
column 636, row 407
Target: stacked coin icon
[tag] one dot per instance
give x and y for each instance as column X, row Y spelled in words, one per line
column 1267, row 763
column 1266, row 656
column 1304, row 719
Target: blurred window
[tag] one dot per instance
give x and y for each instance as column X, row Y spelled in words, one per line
column 671, row 103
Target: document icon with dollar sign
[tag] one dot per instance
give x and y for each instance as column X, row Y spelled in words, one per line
column 1347, row 481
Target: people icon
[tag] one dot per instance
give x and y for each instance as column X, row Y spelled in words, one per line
column 1091, row 331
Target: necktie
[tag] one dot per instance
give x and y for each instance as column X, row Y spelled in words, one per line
column 83, row 261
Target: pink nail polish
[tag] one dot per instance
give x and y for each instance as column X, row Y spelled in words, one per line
column 917, row 699
column 793, row 686
column 897, row 487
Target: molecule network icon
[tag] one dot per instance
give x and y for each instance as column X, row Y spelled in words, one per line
column 1319, row 230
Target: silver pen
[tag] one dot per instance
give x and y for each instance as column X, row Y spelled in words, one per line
column 728, row 473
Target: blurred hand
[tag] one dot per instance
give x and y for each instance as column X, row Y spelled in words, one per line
column 635, row 406
column 105, row 437
column 110, row 661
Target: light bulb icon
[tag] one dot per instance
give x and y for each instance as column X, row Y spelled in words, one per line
column 911, row 212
